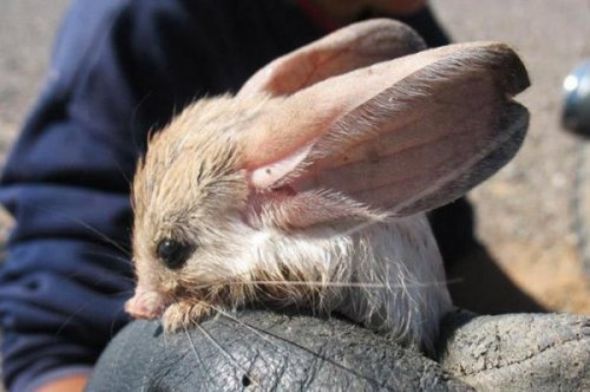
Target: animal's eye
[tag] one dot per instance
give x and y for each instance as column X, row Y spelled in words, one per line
column 173, row 253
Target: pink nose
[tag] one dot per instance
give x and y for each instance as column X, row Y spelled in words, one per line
column 145, row 305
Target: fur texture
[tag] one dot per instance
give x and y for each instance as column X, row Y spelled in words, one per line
column 311, row 191
column 380, row 272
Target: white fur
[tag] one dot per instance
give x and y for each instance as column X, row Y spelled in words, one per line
column 394, row 273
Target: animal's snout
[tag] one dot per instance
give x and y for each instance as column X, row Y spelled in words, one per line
column 146, row 305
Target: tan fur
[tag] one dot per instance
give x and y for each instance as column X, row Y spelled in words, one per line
column 287, row 199
column 190, row 185
column 187, row 185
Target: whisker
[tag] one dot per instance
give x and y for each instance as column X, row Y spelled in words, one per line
column 225, row 353
column 65, row 323
column 84, row 306
column 115, row 315
column 164, row 336
column 125, row 260
column 317, row 284
column 246, row 325
column 120, row 293
column 360, row 285
column 196, row 353
column 93, row 230
column 133, row 119
column 120, row 169
column 109, row 278
column 303, row 348
column 364, row 225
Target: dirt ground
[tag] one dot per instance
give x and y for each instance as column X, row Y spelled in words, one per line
column 526, row 214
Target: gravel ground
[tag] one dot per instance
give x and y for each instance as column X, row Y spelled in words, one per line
column 27, row 28
column 526, row 213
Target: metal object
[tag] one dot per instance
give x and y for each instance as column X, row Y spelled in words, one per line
column 576, row 105
column 576, row 118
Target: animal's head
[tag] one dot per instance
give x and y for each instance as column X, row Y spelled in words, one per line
column 331, row 135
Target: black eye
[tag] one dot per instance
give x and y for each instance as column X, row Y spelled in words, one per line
column 173, row 253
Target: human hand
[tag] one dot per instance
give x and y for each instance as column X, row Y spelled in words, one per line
column 75, row 383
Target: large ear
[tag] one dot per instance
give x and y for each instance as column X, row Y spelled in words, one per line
column 406, row 135
column 355, row 46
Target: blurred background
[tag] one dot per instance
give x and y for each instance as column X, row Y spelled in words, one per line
column 532, row 216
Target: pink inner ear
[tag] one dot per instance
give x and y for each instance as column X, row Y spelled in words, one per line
column 290, row 211
column 272, row 175
column 406, row 135
column 272, row 148
column 277, row 147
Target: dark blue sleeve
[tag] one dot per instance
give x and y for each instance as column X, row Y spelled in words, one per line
column 116, row 72
column 119, row 69
column 66, row 274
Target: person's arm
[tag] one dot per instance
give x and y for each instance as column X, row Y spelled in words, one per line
column 74, row 383
column 120, row 68
column 115, row 74
column 344, row 12
column 415, row 13
column 66, row 275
